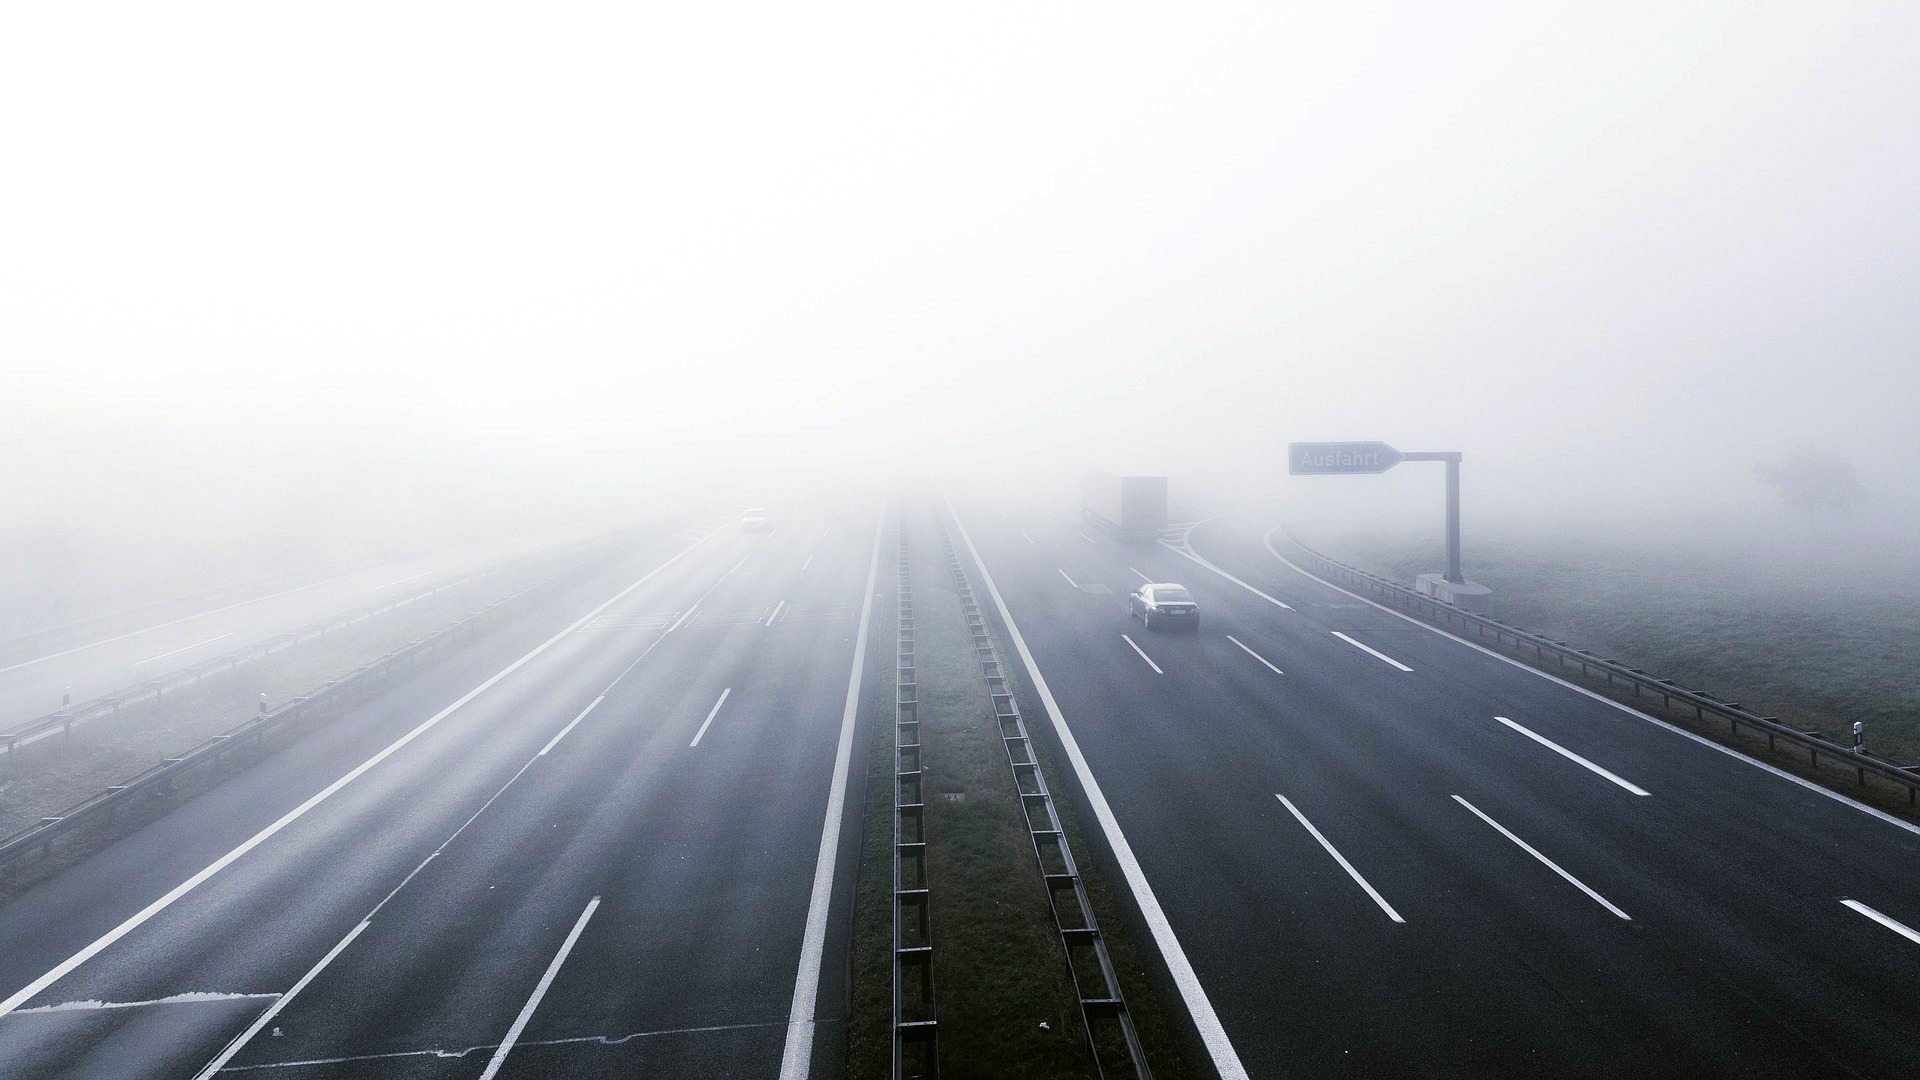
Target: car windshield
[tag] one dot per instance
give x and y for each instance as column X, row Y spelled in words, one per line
column 1176, row 594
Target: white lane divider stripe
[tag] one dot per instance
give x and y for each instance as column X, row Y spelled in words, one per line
column 1573, row 757
column 540, row 991
column 555, row 741
column 1029, row 539
column 715, row 711
column 1341, row 859
column 1549, row 863
column 29, row 991
column 1070, row 581
column 1255, row 655
column 181, row 649
column 776, row 612
column 796, row 1057
column 1085, row 537
column 1894, row 925
column 1144, row 579
column 808, row 563
column 1143, row 655
column 1377, row 654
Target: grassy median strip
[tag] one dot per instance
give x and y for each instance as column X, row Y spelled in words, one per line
column 1006, row 1000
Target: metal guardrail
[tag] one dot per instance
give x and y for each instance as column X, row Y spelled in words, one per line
column 145, row 616
column 63, row 720
column 1110, row 1031
column 13, row 741
column 915, row 1026
column 1702, row 703
column 355, row 685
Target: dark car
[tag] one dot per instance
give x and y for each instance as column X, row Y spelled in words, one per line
column 1165, row 606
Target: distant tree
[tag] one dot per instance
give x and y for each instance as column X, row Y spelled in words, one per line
column 1810, row 481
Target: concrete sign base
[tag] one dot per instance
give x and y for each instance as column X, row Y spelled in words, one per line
column 1463, row 594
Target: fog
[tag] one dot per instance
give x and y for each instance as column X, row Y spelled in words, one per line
column 335, row 280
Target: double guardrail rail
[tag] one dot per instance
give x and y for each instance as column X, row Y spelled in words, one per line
column 1111, row 1037
column 915, row 1026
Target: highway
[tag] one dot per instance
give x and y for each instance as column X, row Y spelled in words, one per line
column 604, row 840
column 1380, row 851
column 32, row 682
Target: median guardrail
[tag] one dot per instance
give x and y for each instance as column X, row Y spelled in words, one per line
column 916, row 1028
column 1112, row 1040
column 1703, row 704
column 40, row 836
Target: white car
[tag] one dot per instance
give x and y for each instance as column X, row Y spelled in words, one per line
column 1164, row 605
column 755, row 520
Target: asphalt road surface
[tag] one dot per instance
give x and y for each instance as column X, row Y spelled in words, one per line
column 589, row 845
column 1383, row 852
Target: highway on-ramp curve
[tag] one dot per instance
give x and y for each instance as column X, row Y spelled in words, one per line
column 1385, row 852
column 590, row 844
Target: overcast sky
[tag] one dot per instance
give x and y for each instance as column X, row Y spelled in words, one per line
column 1599, row 247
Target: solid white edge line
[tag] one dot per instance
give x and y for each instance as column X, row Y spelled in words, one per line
column 776, row 612
column 1601, row 698
column 1549, row 863
column 715, row 711
column 133, row 922
column 1188, row 553
column 1894, row 925
column 1214, row 1036
column 555, row 741
column 796, row 1059
column 684, row 616
column 266, row 1017
column 1070, row 581
column 1573, row 757
column 1143, row 654
column 1255, row 655
column 1375, row 653
column 540, row 991
column 1341, row 859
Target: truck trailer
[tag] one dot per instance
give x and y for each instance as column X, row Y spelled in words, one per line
column 1134, row 507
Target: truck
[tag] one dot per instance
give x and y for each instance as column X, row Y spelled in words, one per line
column 1134, row 507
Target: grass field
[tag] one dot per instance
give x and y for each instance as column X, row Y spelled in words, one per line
column 1817, row 645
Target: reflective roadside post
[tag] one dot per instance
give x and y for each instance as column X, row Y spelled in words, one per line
column 1859, row 737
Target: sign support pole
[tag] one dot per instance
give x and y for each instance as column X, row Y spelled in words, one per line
column 1452, row 458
